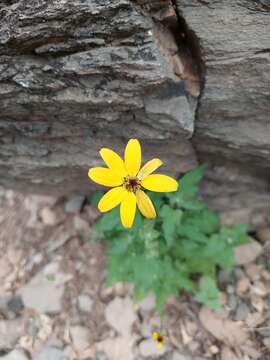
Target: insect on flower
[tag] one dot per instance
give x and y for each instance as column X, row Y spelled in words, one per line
column 128, row 180
column 159, row 338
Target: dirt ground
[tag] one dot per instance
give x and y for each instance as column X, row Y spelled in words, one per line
column 53, row 303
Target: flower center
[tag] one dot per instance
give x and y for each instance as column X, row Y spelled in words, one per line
column 132, row 184
column 160, row 339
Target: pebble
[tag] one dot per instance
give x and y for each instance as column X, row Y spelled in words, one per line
column 224, row 279
column 264, row 234
column 80, row 224
column 242, row 312
column 100, row 355
column 147, row 305
column 120, row 315
column 47, row 284
column 106, row 293
column 15, row 304
column 16, row 354
column 242, row 286
column 50, row 353
column 10, row 331
column 85, row 303
column 48, row 216
column 245, row 254
column 74, row 204
column 264, row 330
column 232, row 301
column 148, row 348
column 176, row 355
column 80, row 337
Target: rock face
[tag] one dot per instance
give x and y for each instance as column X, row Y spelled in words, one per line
column 79, row 75
column 232, row 127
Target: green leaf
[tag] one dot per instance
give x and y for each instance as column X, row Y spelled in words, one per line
column 190, row 204
column 171, row 220
column 188, row 184
column 109, row 222
column 208, row 293
column 94, row 199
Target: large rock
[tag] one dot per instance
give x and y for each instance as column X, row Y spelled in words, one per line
column 79, row 75
column 232, row 128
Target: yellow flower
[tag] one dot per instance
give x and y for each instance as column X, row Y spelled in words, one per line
column 128, row 182
column 159, row 339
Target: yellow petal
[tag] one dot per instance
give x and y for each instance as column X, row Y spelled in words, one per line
column 128, row 210
column 111, row 199
column 160, row 182
column 105, row 177
column 155, row 335
column 133, row 157
column 149, row 167
column 113, row 161
column 145, row 205
column 159, row 344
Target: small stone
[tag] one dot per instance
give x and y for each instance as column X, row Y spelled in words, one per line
column 224, row 278
column 100, row 355
column 106, row 294
column 81, row 225
column 120, row 289
column 48, row 216
column 242, row 286
column 10, row 331
column 120, row 315
column 242, row 312
column 251, row 352
column 264, row 234
column 245, row 254
column 15, row 304
column 74, row 205
column 51, row 353
column 232, row 302
column 266, row 342
column 148, row 348
column 44, row 292
column 5, row 267
column 85, row 303
column 264, row 330
column 239, row 274
column 16, row 354
column 253, row 271
column 176, row 355
column 147, row 305
column 80, row 337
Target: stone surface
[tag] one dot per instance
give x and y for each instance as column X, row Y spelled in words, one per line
column 47, row 284
column 176, row 355
column 232, row 128
column 51, row 353
column 82, row 82
column 120, row 314
column 16, row 354
column 85, row 303
column 10, row 331
column 245, row 254
column 118, row 348
column 72, row 82
column 80, row 337
column 74, row 204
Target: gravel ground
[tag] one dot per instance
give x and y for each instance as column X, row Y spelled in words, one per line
column 53, row 304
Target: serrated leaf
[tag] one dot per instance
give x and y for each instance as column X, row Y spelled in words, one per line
column 208, row 293
column 171, row 220
column 188, row 184
column 94, row 199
